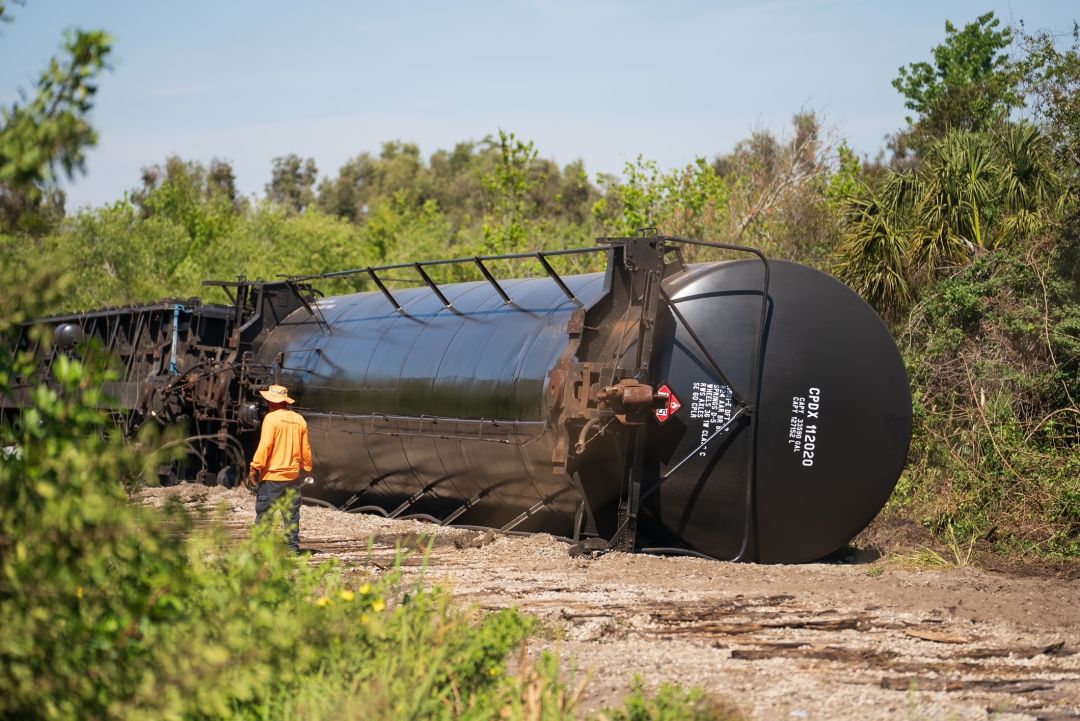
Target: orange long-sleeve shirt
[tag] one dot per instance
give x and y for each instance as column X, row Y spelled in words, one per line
column 283, row 450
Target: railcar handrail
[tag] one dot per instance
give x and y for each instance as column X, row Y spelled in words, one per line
column 420, row 267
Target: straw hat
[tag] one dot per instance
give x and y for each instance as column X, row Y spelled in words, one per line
column 277, row 394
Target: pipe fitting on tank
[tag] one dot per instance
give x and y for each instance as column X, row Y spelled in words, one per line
column 630, row 400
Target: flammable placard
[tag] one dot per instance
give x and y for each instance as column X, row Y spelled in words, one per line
column 673, row 404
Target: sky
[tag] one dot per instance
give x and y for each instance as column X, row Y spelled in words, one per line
column 598, row 80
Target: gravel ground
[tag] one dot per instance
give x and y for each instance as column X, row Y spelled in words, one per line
column 873, row 639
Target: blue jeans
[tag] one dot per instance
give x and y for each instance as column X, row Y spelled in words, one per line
column 271, row 491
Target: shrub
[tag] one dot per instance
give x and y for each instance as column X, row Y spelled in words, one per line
column 112, row 610
column 108, row 612
column 670, row 703
column 996, row 448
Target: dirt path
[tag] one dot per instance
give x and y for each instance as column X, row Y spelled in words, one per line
column 817, row 641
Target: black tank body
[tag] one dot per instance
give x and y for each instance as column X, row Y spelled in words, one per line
column 453, row 413
column 450, row 404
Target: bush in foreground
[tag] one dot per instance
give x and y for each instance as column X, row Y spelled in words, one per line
column 111, row 610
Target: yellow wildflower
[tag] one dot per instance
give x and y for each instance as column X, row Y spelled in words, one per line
column 378, row 606
column 364, row 619
column 79, row 592
column 323, row 601
column 346, row 595
column 365, row 589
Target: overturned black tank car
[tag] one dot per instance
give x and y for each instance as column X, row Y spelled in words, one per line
column 750, row 409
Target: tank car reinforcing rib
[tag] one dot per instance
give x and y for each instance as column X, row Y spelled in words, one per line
column 751, row 409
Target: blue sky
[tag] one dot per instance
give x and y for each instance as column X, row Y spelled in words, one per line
column 597, row 80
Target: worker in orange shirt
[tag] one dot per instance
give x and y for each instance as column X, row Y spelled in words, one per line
column 283, row 454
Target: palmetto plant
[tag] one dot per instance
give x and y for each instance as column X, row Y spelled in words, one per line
column 873, row 258
column 955, row 198
column 1033, row 191
column 973, row 193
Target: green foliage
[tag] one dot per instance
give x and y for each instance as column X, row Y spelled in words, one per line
column 979, row 191
column 691, row 201
column 638, row 199
column 398, row 172
column 971, row 85
column 396, row 232
column 507, row 224
column 997, row 442
column 292, row 183
column 201, row 200
column 49, row 131
column 107, row 613
column 874, row 256
column 845, row 181
column 496, row 196
column 1052, row 89
column 118, row 256
column 974, row 192
column 670, row 703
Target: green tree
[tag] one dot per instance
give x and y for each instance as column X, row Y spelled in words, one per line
column 347, row 195
column 974, row 193
column 845, row 180
column 689, row 201
column 457, row 181
column 48, row 132
column 202, row 199
column 635, row 202
column 971, row 84
column 292, row 183
column 497, row 193
column 364, row 180
column 575, row 195
column 1052, row 88
column 511, row 206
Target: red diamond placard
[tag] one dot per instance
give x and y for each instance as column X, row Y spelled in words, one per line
column 673, row 405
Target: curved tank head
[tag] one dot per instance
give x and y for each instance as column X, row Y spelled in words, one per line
column 798, row 476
